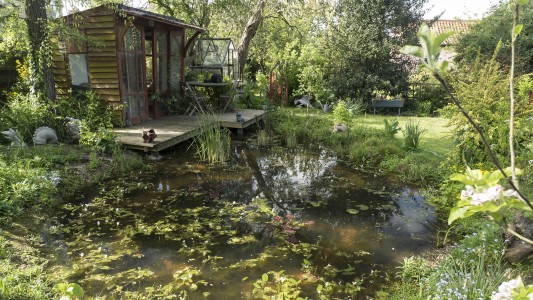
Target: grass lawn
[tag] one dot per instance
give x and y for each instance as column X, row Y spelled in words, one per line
column 437, row 137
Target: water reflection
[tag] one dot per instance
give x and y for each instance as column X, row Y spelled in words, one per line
column 189, row 215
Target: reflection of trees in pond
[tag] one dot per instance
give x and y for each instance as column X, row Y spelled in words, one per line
column 292, row 175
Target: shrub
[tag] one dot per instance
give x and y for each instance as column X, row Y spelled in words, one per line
column 23, row 275
column 89, row 107
column 25, row 114
column 483, row 90
column 391, row 128
column 342, row 113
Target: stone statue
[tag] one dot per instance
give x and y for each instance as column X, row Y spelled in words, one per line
column 305, row 101
column 73, row 128
column 240, row 118
column 339, row 127
column 44, row 135
column 14, row 137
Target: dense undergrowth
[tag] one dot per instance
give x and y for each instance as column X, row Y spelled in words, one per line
column 35, row 182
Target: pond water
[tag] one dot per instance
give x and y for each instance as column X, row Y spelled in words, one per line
column 315, row 226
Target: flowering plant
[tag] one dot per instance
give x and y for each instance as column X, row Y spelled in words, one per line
column 513, row 289
column 483, row 193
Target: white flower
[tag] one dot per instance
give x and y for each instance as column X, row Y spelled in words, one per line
column 510, row 193
column 505, row 290
column 468, row 192
column 492, row 193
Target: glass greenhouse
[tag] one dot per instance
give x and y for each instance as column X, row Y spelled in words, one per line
column 216, row 56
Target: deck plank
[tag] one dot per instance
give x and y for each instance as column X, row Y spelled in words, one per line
column 172, row 130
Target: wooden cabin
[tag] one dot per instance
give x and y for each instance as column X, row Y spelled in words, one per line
column 128, row 55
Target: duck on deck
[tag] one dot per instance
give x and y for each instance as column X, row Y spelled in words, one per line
column 172, row 130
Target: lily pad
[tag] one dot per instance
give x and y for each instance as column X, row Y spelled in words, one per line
column 362, row 207
column 352, row 211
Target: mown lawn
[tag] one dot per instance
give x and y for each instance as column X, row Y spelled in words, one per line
column 437, row 137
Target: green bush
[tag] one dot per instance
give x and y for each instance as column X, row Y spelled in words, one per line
column 25, row 113
column 342, row 113
column 483, row 90
column 23, row 275
column 473, row 269
column 89, row 107
column 26, row 182
column 391, row 128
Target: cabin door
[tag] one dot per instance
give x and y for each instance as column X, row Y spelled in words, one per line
column 133, row 76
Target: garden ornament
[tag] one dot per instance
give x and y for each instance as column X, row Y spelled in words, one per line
column 305, row 101
column 325, row 107
column 149, row 135
column 44, row 135
column 339, row 127
column 240, row 118
column 14, row 138
column 73, row 128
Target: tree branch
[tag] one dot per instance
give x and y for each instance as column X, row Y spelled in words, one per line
column 282, row 17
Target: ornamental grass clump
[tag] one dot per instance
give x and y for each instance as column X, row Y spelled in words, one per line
column 213, row 144
column 412, row 134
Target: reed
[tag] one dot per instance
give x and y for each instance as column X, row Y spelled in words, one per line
column 213, row 144
column 412, row 134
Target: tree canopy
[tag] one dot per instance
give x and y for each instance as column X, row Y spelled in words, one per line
column 483, row 38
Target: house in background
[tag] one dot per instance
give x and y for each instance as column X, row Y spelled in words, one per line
column 459, row 26
column 128, row 56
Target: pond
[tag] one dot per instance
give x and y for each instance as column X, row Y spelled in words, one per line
column 276, row 220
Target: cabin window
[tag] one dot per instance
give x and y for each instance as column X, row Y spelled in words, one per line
column 78, row 69
column 175, row 60
column 162, row 61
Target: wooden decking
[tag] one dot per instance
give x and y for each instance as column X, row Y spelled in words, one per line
column 172, row 130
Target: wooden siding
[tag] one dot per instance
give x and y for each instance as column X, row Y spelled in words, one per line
column 61, row 74
column 102, row 56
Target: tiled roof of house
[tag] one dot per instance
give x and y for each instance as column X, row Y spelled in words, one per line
column 459, row 26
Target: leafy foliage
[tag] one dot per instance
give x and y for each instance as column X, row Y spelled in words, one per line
column 483, row 90
column 391, row 128
column 363, row 53
column 25, row 113
column 412, row 133
column 484, row 194
column 483, row 38
column 341, row 113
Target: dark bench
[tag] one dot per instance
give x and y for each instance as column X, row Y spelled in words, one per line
column 394, row 103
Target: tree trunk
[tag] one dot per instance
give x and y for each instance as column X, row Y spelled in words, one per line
column 40, row 60
column 249, row 33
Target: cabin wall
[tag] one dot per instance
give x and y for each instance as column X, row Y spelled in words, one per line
column 102, row 60
column 61, row 74
column 101, row 50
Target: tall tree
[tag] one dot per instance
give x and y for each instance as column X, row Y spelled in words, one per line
column 40, row 60
column 488, row 32
column 249, row 32
column 364, row 43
